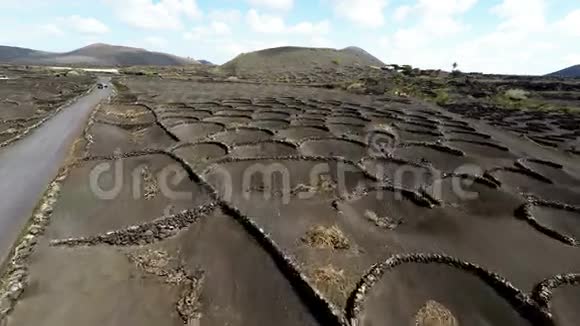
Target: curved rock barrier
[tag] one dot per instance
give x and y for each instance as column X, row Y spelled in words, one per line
column 543, row 142
column 521, row 164
column 168, row 226
column 125, row 125
column 420, row 198
column 544, row 291
column 436, row 146
column 275, row 141
column 189, row 144
column 481, row 143
column 158, row 121
column 330, row 314
column 526, row 212
column 297, row 158
column 554, row 165
column 142, row 234
column 518, row 170
column 521, row 302
column 469, row 133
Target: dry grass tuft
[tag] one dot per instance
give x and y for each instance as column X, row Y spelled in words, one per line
column 154, row 262
column 162, row 265
column 326, row 238
column 435, row 314
column 150, row 183
column 189, row 305
column 332, row 282
column 328, row 275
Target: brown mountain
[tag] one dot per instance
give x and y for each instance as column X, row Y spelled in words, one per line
column 92, row 55
column 291, row 58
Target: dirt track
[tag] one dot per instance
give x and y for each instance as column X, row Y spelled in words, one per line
column 359, row 243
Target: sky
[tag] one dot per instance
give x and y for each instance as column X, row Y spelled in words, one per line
column 491, row 36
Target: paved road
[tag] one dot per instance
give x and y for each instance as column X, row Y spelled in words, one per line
column 29, row 165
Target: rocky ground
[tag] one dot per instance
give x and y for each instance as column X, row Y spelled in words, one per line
column 29, row 97
column 236, row 201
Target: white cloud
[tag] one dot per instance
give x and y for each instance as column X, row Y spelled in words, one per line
column 230, row 47
column 149, row 14
column 570, row 24
column 220, row 28
column 367, row 14
column 273, row 4
column 85, row 25
column 408, row 38
column 156, row 42
column 51, row 29
column 309, row 28
column 272, row 24
column 264, row 23
column 436, row 22
column 402, row 13
column 523, row 42
column 436, row 17
column 237, row 47
column 445, row 7
column 526, row 15
column 572, row 59
column 225, row 15
column 214, row 29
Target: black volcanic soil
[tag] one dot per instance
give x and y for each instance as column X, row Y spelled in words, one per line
column 27, row 98
column 243, row 204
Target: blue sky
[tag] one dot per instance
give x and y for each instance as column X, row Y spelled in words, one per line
column 494, row 36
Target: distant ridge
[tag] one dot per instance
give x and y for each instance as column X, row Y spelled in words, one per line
column 570, row 72
column 205, row 62
column 98, row 54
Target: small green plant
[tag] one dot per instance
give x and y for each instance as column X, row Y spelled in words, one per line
column 517, row 94
column 505, row 102
column 336, row 61
column 442, row 96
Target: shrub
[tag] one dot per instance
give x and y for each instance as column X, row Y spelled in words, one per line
column 326, row 237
